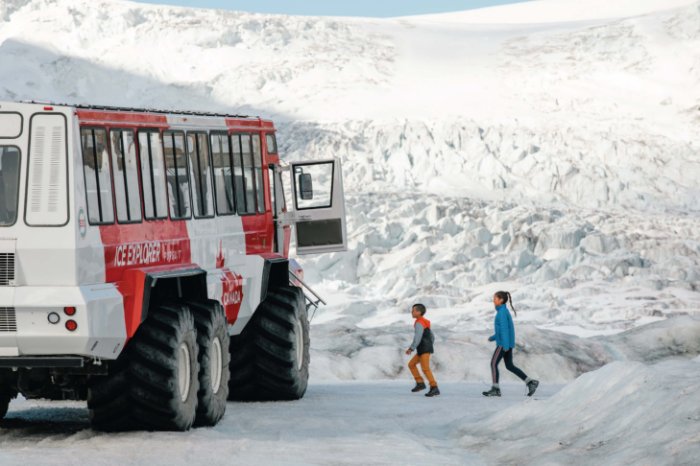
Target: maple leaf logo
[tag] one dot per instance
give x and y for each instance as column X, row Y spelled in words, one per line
column 220, row 259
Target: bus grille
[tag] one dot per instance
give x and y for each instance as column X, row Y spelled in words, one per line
column 8, row 320
column 7, row 268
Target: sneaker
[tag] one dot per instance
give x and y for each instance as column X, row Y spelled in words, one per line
column 419, row 386
column 493, row 392
column 434, row 391
column 532, row 387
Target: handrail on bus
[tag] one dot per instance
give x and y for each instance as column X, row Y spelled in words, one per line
column 310, row 302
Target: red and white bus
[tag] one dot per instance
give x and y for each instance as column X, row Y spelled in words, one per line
column 144, row 261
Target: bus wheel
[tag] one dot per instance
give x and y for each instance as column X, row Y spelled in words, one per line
column 213, row 342
column 154, row 383
column 270, row 359
column 4, row 403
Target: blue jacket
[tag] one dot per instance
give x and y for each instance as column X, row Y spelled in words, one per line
column 505, row 331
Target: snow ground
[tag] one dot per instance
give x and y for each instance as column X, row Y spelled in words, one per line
column 622, row 413
column 349, row 423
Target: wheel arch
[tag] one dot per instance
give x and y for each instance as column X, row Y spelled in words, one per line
column 143, row 288
column 275, row 275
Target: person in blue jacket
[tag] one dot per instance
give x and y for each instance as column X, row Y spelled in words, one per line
column 505, row 342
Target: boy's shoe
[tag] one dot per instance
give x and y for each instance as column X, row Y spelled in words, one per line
column 493, row 392
column 419, row 386
column 532, row 386
column 434, row 391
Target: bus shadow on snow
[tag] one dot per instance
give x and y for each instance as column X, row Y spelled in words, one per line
column 43, row 421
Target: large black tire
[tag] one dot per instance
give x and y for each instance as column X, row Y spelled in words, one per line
column 154, row 383
column 6, row 395
column 213, row 341
column 4, row 404
column 270, row 359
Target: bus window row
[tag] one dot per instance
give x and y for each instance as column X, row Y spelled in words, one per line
column 156, row 175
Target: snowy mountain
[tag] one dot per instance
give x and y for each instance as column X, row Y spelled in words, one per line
column 550, row 148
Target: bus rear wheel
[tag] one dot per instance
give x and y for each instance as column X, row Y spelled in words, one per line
column 4, row 404
column 213, row 342
column 154, row 383
column 270, row 359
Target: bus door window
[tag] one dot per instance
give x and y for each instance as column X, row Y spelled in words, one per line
column 98, row 185
column 176, row 174
column 125, row 170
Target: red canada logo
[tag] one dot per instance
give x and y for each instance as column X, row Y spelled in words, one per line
column 232, row 294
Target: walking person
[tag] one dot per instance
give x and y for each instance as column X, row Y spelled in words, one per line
column 423, row 346
column 505, row 342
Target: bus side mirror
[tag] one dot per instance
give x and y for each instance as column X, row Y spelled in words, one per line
column 306, row 186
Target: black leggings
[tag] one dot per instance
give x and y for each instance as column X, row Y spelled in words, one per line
column 508, row 356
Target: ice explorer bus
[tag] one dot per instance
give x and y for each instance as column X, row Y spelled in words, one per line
column 144, row 261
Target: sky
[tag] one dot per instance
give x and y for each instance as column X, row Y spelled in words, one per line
column 375, row 8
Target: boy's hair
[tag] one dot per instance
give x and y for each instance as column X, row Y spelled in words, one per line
column 420, row 308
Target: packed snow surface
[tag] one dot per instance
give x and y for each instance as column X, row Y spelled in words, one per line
column 622, row 413
column 549, row 148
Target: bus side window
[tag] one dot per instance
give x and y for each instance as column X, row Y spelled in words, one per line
column 222, row 160
column 248, row 173
column 152, row 175
column 271, row 143
column 257, row 162
column 176, row 174
column 98, row 184
column 126, row 182
column 200, row 174
column 238, row 178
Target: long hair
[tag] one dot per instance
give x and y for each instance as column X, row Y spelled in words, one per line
column 505, row 296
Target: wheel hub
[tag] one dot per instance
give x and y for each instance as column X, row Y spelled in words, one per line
column 299, row 333
column 184, row 371
column 215, row 361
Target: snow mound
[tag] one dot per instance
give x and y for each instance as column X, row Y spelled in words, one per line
column 345, row 350
column 622, row 413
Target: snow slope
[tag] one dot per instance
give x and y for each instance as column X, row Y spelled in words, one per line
column 620, row 414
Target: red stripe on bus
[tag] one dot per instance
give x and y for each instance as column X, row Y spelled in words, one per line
column 127, row 118
column 259, row 233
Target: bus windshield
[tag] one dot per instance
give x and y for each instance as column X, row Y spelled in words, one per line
column 9, row 184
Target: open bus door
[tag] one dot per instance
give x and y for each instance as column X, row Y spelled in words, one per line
column 318, row 206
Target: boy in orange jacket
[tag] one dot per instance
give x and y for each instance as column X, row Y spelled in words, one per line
column 423, row 346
